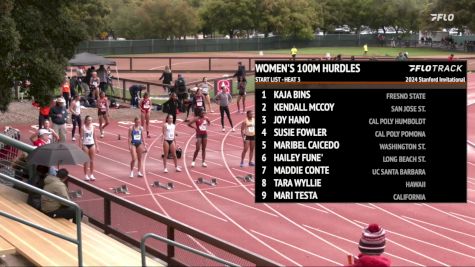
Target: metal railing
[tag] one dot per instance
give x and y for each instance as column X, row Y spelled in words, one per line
column 77, row 241
column 100, row 213
column 175, row 244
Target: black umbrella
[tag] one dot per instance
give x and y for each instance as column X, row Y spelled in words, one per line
column 57, row 154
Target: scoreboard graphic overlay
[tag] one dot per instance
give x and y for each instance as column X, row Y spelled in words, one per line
column 351, row 131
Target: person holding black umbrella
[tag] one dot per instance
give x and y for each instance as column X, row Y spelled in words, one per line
column 56, row 185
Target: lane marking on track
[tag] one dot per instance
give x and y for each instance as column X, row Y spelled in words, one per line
column 231, row 155
column 353, row 242
column 117, row 147
column 451, row 215
column 424, row 228
column 471, row 202
column 363, row 205
column 422, row 241
column 297, row 248
column 147, row 183
column 193, row 208
column 181, row 63
column 441, row 227
column 169, row 179
column 242, row 204
column 313, row 208
column 207, row 161
column 246, row 172
column 461, row 215
column 210, row 176
column 141, row 188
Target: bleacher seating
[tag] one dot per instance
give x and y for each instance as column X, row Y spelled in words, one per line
column 43, row 249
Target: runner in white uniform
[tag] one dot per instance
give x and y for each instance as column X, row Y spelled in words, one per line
column 89, row 146
column 169, row 145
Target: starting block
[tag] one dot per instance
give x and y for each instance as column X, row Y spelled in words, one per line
column 212, row 182
column 247, row 178
column 166, row 186
column 75, row 194
column 121, row 189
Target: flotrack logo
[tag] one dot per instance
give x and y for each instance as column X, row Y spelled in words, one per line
column 435, row 68
column 443, row 17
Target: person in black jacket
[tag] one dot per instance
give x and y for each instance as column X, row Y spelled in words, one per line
column 241, row 72
column 180, row 89
column 170, row 106
column 167, row 77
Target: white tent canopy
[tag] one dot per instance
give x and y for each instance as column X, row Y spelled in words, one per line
column 85, row 59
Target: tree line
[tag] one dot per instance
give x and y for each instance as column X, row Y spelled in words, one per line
column 170, row 19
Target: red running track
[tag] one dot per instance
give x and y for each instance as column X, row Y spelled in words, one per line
column 291, row 234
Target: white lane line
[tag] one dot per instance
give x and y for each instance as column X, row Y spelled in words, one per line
column 181, row 63
column 439, row 226
column 461, row 215
column 145, row 179
column 297, row 248
column 313, row 208
column 122, row 181
column 231, row 155
column 120, row 148
column 424, row 228
column 366, row 206
column 246, row 172
column 451, row 215
column 471, row 202
column 242, row 204
column 353, row 242
column 213, row 177
column 193, row 208
column 207, row 161
column 175, row 181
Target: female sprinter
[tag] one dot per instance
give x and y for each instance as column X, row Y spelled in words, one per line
column 169, row 145
column 137, row 146
column 201, row 123
column 103, row 112
column 145, row 105
column 205, row 86
column 249, row 135
column 89, row 146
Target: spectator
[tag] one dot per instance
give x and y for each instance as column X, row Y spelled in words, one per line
column 109, row 80
column 451, row 57
column 43, row 113
column 66, row 90
column 34, row 199
column 167, row 77
column 102, row 74
column 51, row 134
column 371, row 246
column 59, row 116
column 241, row 72
column 56, row 185
column 365, row 49
column 170, row 106
column 180, row 89
column 135, row 94
column 242, row 94
column 75, row 110
column 89, row 74
column 94, row 83
column 293, row 52
column 400, row 57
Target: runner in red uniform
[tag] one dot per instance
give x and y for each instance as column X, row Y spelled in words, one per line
column 145, row 105
column 103, row 111
column 201, row 123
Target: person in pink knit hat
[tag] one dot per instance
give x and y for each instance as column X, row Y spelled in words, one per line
column 371, row 246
